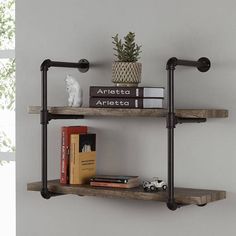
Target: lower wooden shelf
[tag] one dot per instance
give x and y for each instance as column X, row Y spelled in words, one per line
column 184, row 196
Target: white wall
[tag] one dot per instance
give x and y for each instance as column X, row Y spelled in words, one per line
column 205, row 153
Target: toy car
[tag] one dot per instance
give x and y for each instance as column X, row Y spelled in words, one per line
column 154, row 185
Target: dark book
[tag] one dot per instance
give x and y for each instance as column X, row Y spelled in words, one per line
column 119, row 179
column 65, row 148
column 127, row 92
column 125, row 102
column 115, row 185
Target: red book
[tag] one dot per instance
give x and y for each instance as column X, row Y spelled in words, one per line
column 65, row 149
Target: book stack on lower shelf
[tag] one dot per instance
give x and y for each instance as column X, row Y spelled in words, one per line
column 78, row 155
column 78, row 161
column 126, row 97
column 115, row 181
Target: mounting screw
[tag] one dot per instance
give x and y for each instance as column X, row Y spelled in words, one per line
column 204, row 64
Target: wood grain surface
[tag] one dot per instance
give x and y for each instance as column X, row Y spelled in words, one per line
column 185, row 113
column 182, row 195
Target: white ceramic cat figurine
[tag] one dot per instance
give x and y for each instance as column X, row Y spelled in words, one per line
column 74, row 90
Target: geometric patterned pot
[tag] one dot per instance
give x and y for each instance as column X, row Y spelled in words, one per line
column 126, row 73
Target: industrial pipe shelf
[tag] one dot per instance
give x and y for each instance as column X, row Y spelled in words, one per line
column 174, row 197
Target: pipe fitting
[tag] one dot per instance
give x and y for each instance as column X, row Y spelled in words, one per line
column 172, row 205
column 171, row 63
column 45, row 193
column 204, row 64
column 45, row 65
column 83, row 65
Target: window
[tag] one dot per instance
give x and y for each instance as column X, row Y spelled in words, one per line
column 7, row 117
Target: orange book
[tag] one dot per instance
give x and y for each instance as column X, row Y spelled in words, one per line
column 82, row 158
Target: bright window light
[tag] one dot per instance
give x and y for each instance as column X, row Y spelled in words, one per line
column 7, row 117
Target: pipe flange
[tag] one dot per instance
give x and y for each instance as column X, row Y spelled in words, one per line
column 205, row 64
column 83, row 65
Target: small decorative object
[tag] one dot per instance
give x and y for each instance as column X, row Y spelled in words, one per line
column 74, row 90
column 154, row 185
column 126, row 71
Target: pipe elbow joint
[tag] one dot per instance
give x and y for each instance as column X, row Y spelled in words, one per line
column 171, row 63
column 45, row 65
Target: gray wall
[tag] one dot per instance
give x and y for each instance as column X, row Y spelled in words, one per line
column 205, row 153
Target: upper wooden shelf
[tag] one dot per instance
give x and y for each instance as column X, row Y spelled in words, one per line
column 184, row 196
column 184, row 113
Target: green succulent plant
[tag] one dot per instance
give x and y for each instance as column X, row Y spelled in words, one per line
column 127, row 51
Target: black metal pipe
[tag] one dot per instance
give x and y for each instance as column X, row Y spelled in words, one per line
column 44, row 121
column 171, row 91
column 180, row 120
column 170, row 126
column 63, row 116
column 45, row 116
column 203, row 64
column 82, row 65
column 188, row 63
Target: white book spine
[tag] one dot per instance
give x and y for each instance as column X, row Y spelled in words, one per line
column 153, row 92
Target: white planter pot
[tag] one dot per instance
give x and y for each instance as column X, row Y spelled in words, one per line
column 126, row 73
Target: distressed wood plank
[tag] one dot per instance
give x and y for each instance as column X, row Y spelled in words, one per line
column 182, row 195
column 185, row 113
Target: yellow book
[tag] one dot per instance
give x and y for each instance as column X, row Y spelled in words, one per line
column 82, row 158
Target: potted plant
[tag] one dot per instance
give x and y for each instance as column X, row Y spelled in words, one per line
column 126, row 71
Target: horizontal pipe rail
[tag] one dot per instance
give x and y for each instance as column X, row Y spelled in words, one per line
column 62, row 116
column 180, row 120
column 82, row 65
column 188, row 63
column 203, row 64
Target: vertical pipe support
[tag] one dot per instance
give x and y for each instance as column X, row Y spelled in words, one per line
column 44, row 122
column 45, row 116
column 203, row 64
column 170, row 125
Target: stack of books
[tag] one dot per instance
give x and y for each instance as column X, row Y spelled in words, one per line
column 126, row 97
column 115, row 181
column 78, row 155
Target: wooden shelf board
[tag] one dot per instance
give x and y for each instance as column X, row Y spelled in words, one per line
column 185, row 113
column 182, row 195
